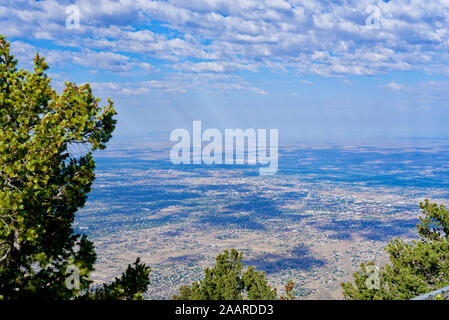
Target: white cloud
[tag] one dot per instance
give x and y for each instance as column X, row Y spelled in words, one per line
column 393, row 86
column 173, row 85
column 319, row 37
column 107, row 61
column 307, row 82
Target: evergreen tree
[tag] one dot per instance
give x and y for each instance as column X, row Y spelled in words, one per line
column 46, row 171
column 415, row 268
column 228, row 280
column 130, row 286
column 289, row 291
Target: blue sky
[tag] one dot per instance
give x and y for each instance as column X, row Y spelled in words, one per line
column 321, row 69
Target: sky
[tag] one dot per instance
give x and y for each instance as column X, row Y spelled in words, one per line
column 311, row 69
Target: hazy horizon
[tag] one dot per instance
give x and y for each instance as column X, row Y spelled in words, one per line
column 318, row 69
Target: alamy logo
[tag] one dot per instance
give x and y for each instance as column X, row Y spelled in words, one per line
column 73, row 279
column 373, row 20
column 212, row 153
column 372, row 281
column 73, row 17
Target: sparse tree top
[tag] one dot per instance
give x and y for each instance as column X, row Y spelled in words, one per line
column 46, row 172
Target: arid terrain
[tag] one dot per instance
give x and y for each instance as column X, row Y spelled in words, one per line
column 314, row 223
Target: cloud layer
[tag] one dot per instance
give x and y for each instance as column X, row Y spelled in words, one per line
column 324, row 38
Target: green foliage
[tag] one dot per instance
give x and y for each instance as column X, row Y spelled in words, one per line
column 228, row 280
column 133, row 282
column 289, row 291
column 361, row 291
column 46, row 171
column 415, row 268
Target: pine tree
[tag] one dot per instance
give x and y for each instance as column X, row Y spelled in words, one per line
column 289, row 291
column 228, row 280
column 415, row 268
column 46, row 171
